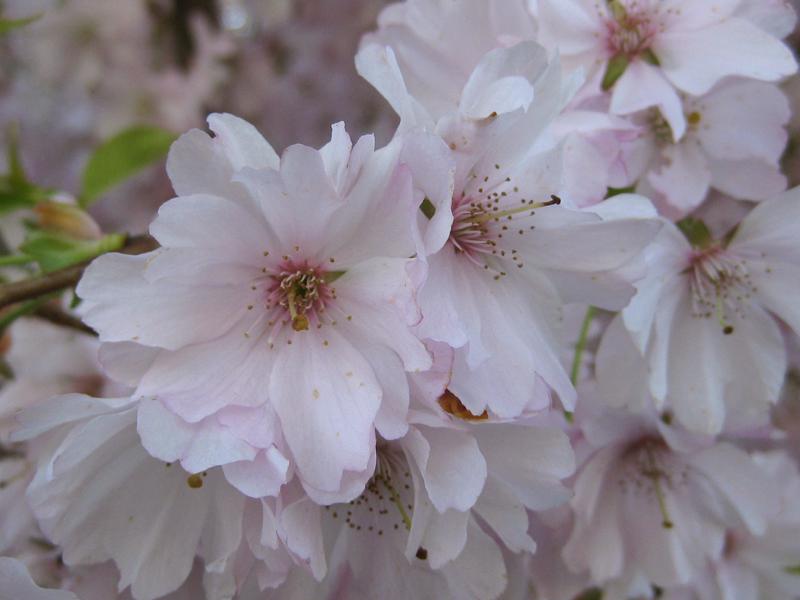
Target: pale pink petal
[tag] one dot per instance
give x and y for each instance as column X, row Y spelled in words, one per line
column 685, row 177
column 505, row 515
column 380, row 295
column 198, row 380
column 242, row 144
column 572, row 26
column 761, row 113
column 161, row 314
column 696, row 390
column 16, row 584
column 239, row 236
column 377, row 215
column 501, row 81
column 531, row 461
column 771, row 228
column 479, row 572
column 263, row 476
column 198, row 446
column 327, row 397
column 695, row 60
column 126, row 362
column 778, row 290
column 776, row 17
column 655, row 548
column 300, row 523
column 200, row 164
column 378, row 65
column 742, row 482
column 643, row 86
column 451, row 464
column 392, row 418
column 748, row 179
column 93, row 506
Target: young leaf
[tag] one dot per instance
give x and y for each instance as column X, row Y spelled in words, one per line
column 122, row 156
column 615, row 69
column 696, row 231
column 16, row 191
column 53, row 251
column 7, row 25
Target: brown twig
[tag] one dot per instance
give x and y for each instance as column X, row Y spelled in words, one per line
column 53, row 314
column 27, row 289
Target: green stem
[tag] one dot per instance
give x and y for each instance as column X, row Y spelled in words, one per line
column 21, row 310
column 15, row 259
column 580, row 345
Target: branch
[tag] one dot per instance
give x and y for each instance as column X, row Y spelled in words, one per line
column 53, row 314
column 35, row 287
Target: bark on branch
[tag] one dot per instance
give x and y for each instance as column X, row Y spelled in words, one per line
column 28, row 289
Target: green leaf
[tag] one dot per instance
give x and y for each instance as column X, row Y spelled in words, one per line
column 696, row 232
column 14, row 197
column 9, row 260
column 7, row 317
column 7, row 25
column 122, row 156
column 427, row 208
column 617, row 191
column 590, row 594
column 16, row 191
column 616, row 67
column 53, row 251
column 795, row 570
column 651, row 57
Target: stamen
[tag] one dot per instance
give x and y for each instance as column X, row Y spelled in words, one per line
column 720, row 286
column 656, row 474
column 485, row 217
column 451, row 404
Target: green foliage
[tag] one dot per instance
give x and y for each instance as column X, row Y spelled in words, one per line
column 591, row 594
column 7, row 25
column 617, row 191
column 696, row 232
column 16, row 191
column 122, row 156
column 651, row 57
column 615, row 69
column 55, row 251
column 427, row 208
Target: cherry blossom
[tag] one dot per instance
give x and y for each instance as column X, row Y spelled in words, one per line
column 741, row 161
column 653, row 503
column 511, row 239
column 703, row 316
column 649, row 51
column 445, row 497
column 301, row 273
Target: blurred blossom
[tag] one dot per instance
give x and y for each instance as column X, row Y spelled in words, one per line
column 293, row 75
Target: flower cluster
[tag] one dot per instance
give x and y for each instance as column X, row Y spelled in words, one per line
column 540, row 344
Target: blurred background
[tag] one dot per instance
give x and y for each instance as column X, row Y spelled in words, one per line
column 84, row 70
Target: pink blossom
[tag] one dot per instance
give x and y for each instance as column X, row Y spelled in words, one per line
column 650, row 50
column 703, row 317
column 299, row 270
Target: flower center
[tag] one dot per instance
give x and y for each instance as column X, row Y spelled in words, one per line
column 299, row 294
column 479, row 225
column 648, row 470
column 387, row 503
column 629, row 32
column 660, row 128
column 720, row 286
